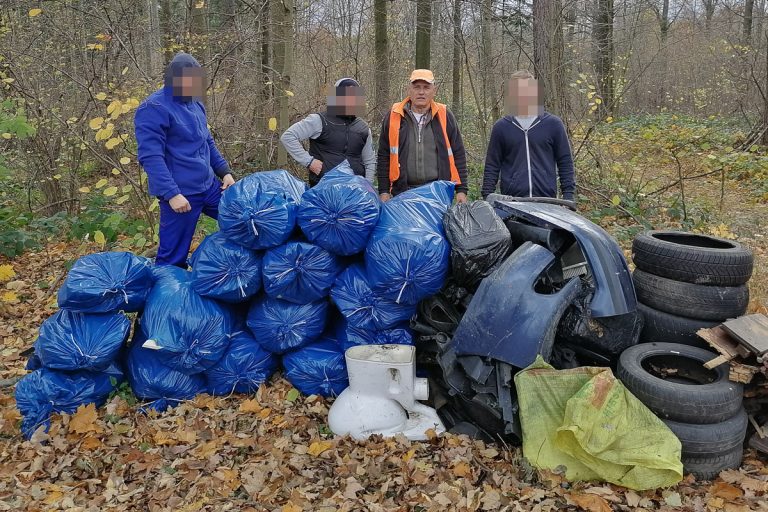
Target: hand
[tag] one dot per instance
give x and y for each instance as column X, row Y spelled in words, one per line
column 461, row 197
column 180, row 204
column 227, row 181
column 316, row 166
column 385, row 197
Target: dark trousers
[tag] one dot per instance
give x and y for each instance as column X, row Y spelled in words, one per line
column 177, row 229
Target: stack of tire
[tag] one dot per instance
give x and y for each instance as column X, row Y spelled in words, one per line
column 702, row 407
column 686, row 282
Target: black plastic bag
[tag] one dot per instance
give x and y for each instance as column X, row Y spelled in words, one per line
column 479, row 241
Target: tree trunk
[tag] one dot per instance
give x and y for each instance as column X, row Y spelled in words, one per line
column 548, row 50
column 283, row 48
column 154, row 44
column 166, row 27
column 709, row 11
column 423, row 33
column 602, row 33
column 664, row 22
column 381, row 55
column 749, row 7
column 456, row 75
column 486, row 65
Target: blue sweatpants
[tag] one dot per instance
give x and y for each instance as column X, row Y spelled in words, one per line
column 177, row 229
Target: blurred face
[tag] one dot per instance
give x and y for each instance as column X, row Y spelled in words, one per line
column 421, row 94
column 523, row 97
column 190, row 83
column 346, row 101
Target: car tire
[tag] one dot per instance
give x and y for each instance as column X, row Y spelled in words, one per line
column 711, row 440
column 709, row 467
column 691, row 300
column 690, row 394
column 693, row 258
column 661, row 327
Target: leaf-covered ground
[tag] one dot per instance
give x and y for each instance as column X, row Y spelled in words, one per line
column 270, row 453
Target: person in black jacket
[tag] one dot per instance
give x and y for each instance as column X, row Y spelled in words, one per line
column 529, row 148
column 420, row 142
column 335, row 135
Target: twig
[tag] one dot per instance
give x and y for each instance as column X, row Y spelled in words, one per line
column 7, row 383
column 608, row 199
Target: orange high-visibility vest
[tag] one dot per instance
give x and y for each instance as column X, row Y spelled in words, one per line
column 439, row 111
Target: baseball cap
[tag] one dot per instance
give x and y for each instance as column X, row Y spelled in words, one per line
column 422, row 74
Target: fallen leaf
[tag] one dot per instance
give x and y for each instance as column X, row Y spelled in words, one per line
column 672, row 499
column 250, row 405
column 726, row 491
column 6, row 272
column 462, row 469
column 590, row 502
column 84, row 420
column 633, row 500
column 319, row 447
column 34, row 12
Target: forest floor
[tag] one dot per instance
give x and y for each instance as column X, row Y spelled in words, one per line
column 270, row 453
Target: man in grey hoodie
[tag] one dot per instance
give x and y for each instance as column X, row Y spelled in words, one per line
column 335, row 135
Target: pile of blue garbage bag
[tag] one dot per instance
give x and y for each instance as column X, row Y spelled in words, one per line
column 293, row 278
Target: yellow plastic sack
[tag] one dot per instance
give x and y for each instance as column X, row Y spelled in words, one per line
column 586, row 420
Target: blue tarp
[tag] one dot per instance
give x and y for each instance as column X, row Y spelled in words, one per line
column 362, row 307
column 280, row 326
column 340, row 212
column 259, row 211
column 46, row 391
column 244, row 367
column 407, row 257
column 299, row 272
column 189, row 333
column 81, row 341
column 317, row 369
column 224, row 270
column 106, row 282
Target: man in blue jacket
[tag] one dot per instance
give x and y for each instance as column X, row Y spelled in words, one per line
column 529, row 148
column 180, row 158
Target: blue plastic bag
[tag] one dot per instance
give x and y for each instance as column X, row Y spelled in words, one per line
column 189, row 333
column 348, row 335
column 340, row 212
column 299, row 272
column 317, row 369
column 171, row 272
column 259, row 211
column 407, row 258
column 152, row 380
column 224, row 270
column 106, row 282
column 244, row 367
column 362, row 307
column 81, row 341
column 46, row 391
column 280, row 326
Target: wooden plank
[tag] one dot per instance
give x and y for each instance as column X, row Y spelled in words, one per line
column 719, row 339
column 712, row 363
column 751, row 331
column 742, row 373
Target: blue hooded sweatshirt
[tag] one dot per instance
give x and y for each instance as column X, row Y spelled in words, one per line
column 530, row 161
column 175, row 146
